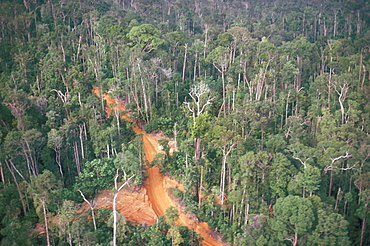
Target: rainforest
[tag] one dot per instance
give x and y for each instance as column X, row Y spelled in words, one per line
column 193, row 122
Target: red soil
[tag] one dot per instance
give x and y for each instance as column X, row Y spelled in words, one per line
column 153, row 199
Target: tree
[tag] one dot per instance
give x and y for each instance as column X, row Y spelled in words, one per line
column 91, row 205
column 220, row 59
column 363, row 211
column 55, row 141
column 301, row 51
column 331, row 229
column 146, row 37
column 18, row 103
column 27, row 144
column 309, row 179
column 333, row 147
column 117, row 189
column 280, row 174
column 226, row 139
column 173, row 232
column 67, row 213
column 44, row 189
column 294, row 217
column 201, row 96
column 95, row 176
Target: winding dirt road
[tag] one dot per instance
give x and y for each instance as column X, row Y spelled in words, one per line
column 154, row 199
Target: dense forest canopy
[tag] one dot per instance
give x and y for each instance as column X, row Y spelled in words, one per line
column 268, row 102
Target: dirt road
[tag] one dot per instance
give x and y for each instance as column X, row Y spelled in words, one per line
column 157, row 198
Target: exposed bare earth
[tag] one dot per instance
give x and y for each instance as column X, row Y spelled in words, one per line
column 152, row 200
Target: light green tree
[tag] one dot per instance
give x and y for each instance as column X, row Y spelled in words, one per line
column 146, row 37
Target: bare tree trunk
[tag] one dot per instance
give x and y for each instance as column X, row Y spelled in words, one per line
column 197, row 148
column 337, row 200
column 223, row 176
column 183, row 74
column 246, row 214
column 117, row 114
column 77, row 158
column 114, row 204
column 295, row 241
column 223, row 92
column 46, row 221
column 2, row 173
column 362, row 231
column 287, row 107
column 58, row 161
column 33, row 162
column 200, row 187
column 331, row 182
column 299, row 77
column 17, row 185
column 92, row 205
column 82, row 128
column 341, row 97
column 144, row 94
column 195, row 65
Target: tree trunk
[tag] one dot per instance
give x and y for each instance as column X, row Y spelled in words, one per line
column 144, row 94
column 114, row 204
column 337, row 200
column 295, row 240
column 200, row 187
column 58, row 161
column 299, row 77
column 223, row 176
column 362, row 231
column 223, row 92
column 195, row 65
column 83, row 127
column 77, row 158
column 46, row 221
column 197, row 148
column 91, row 206
column 331, row 182
column 115, row 219
column 117, row 114
column 184, row 67
column 2, row 173
column 246, row 214
column 17, row 185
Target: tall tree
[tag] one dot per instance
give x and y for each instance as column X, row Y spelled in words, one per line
column 44, row 189
column 220, row 59
column 294, row 217
column 201, row 96
column 226, row 139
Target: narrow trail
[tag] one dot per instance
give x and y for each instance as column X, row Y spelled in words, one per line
column 155, row 193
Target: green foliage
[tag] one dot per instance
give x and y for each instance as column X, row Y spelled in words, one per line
column 131, row 163
column 44, row 188
column 286, row 122
column 15, row 228
column 200, row 128
column 280, row 174
column 96, row 175
column 160, row 124
column 293, row 216
column 146, row 37
column 309, row 179
column 331, row 229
